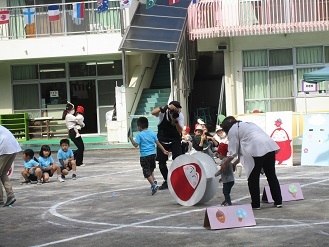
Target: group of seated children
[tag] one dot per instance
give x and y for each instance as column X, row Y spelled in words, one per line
column 41, row 169
column 202, row 140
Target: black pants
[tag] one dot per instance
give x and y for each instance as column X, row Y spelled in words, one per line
column 227, row 191
column 78, row 154
column 267, row 162
column 175, row 148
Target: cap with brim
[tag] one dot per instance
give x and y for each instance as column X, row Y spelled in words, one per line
column 198, row 127
column 218, row 128
column 175, row 103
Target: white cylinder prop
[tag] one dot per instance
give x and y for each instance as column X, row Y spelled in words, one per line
column 191, row 179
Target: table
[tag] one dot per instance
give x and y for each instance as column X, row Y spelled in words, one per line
column 44, row 126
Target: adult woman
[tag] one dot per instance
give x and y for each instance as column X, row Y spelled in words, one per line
column 256, row 151
column 71, row 122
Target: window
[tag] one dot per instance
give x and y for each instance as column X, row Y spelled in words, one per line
column 82, row 69
column 52, row 71
column 53, row 93
column 109, row 68
column 26, row 96
column 25, row 72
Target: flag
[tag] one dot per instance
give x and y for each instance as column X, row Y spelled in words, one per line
column 4, row 16
column 195, row 1
column 150, row 3
column 29, row 15
column 103, row 5
column 125, row 4
column 53, row 12
column 79, row 10
column 171, row 2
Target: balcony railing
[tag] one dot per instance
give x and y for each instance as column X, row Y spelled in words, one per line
column 92, row 23
column 223, row 18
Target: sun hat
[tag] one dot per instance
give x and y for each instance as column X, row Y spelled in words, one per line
column 222, row 148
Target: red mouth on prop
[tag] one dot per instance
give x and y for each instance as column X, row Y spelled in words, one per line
column 185, row 180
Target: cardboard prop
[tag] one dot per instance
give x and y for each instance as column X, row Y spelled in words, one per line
column 290, row 192
column 229, row 217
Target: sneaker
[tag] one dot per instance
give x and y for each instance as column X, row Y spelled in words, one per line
column 26, row 181
column 225, row 203
column 154, row 189
column 163, row 186
column 60, row 179
column 63, row 176
column 39, row 182
column 258, row 208
column 155, row 181
column 74, row 177
column 33, row 182
column 278, row 206
column 10, row 200
column 77, row 135
column 1, row 202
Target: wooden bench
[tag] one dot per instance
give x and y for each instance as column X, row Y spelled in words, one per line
column 47, row 127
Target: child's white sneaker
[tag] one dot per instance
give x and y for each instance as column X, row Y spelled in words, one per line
column 77, row 135
column 60, row 179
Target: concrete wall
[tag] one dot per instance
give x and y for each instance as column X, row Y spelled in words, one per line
column 233, row 64
column 6, row 101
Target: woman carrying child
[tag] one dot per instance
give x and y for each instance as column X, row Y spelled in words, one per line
column 71, row 122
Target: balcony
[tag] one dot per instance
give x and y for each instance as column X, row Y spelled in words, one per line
column 93, row 22
column 227, row 18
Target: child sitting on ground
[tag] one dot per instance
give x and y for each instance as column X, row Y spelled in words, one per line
column 47, row 164
column 226, row 177
column 66, row 159
column 186, row 140
column 32, row 170
column 145, row 139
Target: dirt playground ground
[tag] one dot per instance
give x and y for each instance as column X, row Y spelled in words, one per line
column 110, row 204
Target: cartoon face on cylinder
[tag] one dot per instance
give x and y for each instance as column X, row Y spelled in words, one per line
column 185, row 180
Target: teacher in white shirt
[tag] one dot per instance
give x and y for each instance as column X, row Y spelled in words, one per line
column 256, row 151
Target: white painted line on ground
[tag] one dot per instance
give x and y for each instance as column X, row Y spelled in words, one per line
column 53, row 211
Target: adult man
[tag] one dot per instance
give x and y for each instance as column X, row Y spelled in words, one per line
column 9, row 147
column 170, row 127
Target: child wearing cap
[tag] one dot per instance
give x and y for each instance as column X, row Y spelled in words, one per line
column 227, row 177
column 186, row 140
column 80, row 120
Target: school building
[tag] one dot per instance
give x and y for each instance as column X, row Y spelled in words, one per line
column 216, row 57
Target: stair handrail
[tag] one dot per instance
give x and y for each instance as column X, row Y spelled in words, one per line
column 140, row 84
column 221, row 97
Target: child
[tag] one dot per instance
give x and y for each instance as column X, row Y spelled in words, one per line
column 32, row 170
column 220, row 136
column 79, row 118
column 200, row 142
column 226, row 177
column 47, row 164
column 66, row 159
column 186, row 140
column 145, row 139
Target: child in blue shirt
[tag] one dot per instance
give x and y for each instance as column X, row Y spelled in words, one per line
column 47, row 164
column 31, row 171
column 146, row 139
column 66, row 159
